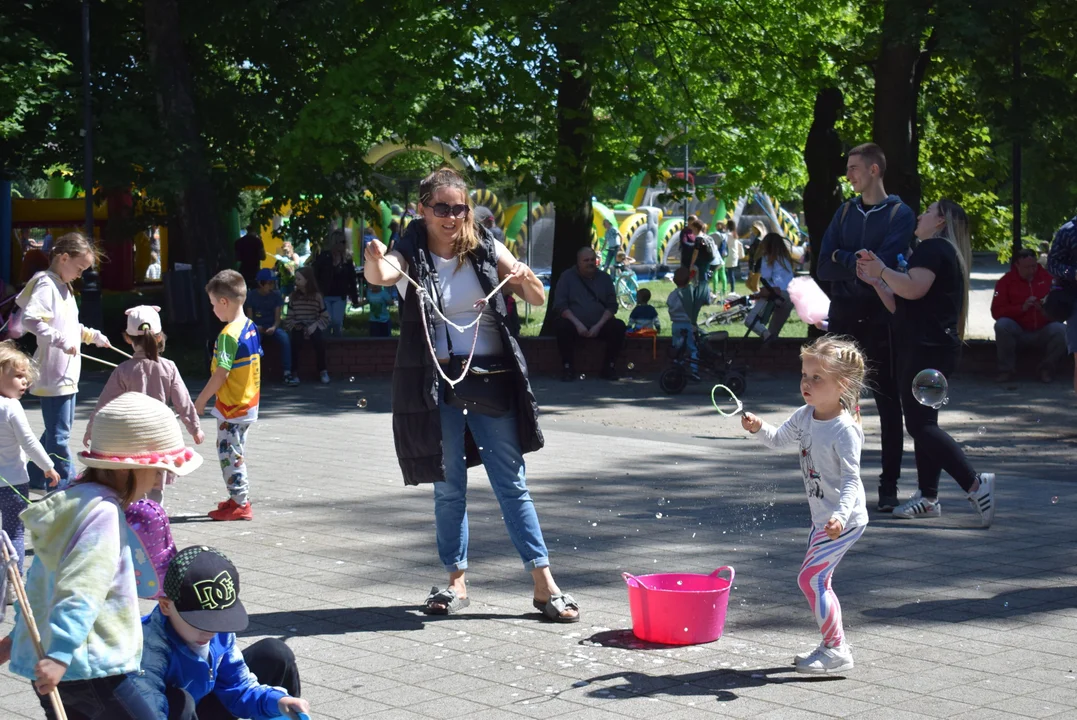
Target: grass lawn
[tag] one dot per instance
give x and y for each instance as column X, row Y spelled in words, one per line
column 660, row 290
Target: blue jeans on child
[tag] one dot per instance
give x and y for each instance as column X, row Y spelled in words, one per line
column 109, row 698
column 58, row 412
column 285, row 343
column 499, row 446
column 335, row 306
column 678, row 328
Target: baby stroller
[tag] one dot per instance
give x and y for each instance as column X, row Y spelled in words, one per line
column 715, row 362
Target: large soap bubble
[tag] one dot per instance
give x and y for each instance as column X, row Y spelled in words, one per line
column 929, row 387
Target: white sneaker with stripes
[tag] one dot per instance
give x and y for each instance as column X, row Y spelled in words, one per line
column 827, row 660
column 801, row 657
column 983, row 500
column 918, row 507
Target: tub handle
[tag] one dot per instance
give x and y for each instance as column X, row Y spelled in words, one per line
column 725, row 567
column 633, row 580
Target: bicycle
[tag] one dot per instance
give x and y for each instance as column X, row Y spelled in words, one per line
column 625, row 285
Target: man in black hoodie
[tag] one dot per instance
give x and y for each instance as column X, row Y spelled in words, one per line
column 883, row 224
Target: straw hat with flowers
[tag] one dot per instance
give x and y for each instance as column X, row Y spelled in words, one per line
column 134, row 430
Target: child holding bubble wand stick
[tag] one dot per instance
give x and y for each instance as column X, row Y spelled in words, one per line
column 827, row 432
column 930, row 305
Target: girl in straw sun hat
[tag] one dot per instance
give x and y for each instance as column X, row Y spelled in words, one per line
column 81, row 586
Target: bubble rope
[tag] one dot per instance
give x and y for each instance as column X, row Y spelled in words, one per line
column 425, row 296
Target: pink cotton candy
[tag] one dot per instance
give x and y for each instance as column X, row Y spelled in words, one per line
column 811, row 302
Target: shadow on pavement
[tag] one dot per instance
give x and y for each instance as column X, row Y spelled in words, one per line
column 1007, row 604
column 720, row 684
column 339, row 621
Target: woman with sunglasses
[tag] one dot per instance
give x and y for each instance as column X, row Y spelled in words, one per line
column 458, row 265
column 335, row 273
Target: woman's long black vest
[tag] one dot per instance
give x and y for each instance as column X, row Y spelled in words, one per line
column 416, row 383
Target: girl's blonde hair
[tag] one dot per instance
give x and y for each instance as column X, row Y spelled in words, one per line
column 468, row 239
column 122, row 481
column 11, row 358
column 844, row 361
column 957, row 232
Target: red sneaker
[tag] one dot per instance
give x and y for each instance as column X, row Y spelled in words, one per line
column 232, row 511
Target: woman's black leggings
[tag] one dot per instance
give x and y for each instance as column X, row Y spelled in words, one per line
column 935, row 449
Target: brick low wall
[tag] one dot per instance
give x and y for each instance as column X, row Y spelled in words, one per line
column 375, row 356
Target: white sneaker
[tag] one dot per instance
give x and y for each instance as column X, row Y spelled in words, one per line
column 984, row 499
column 801, row 657
column 918, row 507
column 827, row 660
column 324, row 377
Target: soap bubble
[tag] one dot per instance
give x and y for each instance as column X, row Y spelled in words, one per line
column 351, row 379
column 1054, row 500
column 661, row 501
column 360, row 403
column 582, row 376
column 658, row 515
column 631, row 366
column 981, row 430
column 929, row 387
column 1005, row 604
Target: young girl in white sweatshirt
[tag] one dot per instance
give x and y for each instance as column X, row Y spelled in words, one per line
column 828, row 435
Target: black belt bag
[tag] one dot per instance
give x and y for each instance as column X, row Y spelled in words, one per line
column 489, row 387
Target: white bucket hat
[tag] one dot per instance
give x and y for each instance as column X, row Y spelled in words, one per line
column 134, row 430
column 143, row 315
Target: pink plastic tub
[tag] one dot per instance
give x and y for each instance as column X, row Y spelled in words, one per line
column 678, row 608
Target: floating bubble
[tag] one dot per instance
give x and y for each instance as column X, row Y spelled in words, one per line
column 930, row 388
column 1005, row 604
column 582, row 376
column 981, row 430
column 631, row 366
column 661, row 501
column 1054, row 500
column 465, row 411
column 658, row 515
column 351, row 379
column 594, row 524
column 360, row 403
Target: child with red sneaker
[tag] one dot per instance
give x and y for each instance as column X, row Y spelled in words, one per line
column 236, row 380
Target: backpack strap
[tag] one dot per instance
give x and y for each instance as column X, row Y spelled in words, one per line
column 844, row 212
column 893, row 212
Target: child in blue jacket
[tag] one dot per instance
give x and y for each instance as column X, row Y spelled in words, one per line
column 191, row 666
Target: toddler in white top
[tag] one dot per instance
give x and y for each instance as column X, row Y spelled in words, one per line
column 16, row 442
column 828, row 435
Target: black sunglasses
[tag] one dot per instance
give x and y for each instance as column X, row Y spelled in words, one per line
column 444, row 210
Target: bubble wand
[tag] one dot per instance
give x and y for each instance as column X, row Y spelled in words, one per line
column 732, row 396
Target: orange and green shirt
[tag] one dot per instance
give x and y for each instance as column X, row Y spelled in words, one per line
column 239, row 351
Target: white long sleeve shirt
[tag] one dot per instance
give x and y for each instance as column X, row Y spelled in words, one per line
column 16, row 441
column 829, row 462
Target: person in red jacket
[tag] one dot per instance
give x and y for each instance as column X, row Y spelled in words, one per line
column 1019, row 319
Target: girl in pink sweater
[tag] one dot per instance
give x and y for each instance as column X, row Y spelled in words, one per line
column 150, row 374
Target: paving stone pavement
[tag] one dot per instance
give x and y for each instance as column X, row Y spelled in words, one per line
column 945, row 619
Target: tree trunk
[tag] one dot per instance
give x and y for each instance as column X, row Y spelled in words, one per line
column 824, row 157
column 572, row 183
column 201, row 236
column 899, row 70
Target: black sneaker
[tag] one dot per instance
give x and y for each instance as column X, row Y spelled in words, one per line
column 887, row 503
column 568, row 374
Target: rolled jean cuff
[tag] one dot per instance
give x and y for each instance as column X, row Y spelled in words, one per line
column 539, row 562
column 457, row 567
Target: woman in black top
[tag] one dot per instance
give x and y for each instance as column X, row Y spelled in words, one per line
column 930, row 304
column 336, row 276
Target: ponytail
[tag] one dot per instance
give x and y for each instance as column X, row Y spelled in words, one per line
column 843, row 360
column 152, row 345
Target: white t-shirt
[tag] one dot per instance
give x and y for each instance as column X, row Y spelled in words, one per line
column 16, row 440
column 829, row 461
column 460, row 290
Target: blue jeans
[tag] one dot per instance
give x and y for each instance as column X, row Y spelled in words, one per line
column 109, row 698
column 335, row 306
column 285, row 343
column 678, row 327
column 58, row 413
column 499, row 447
